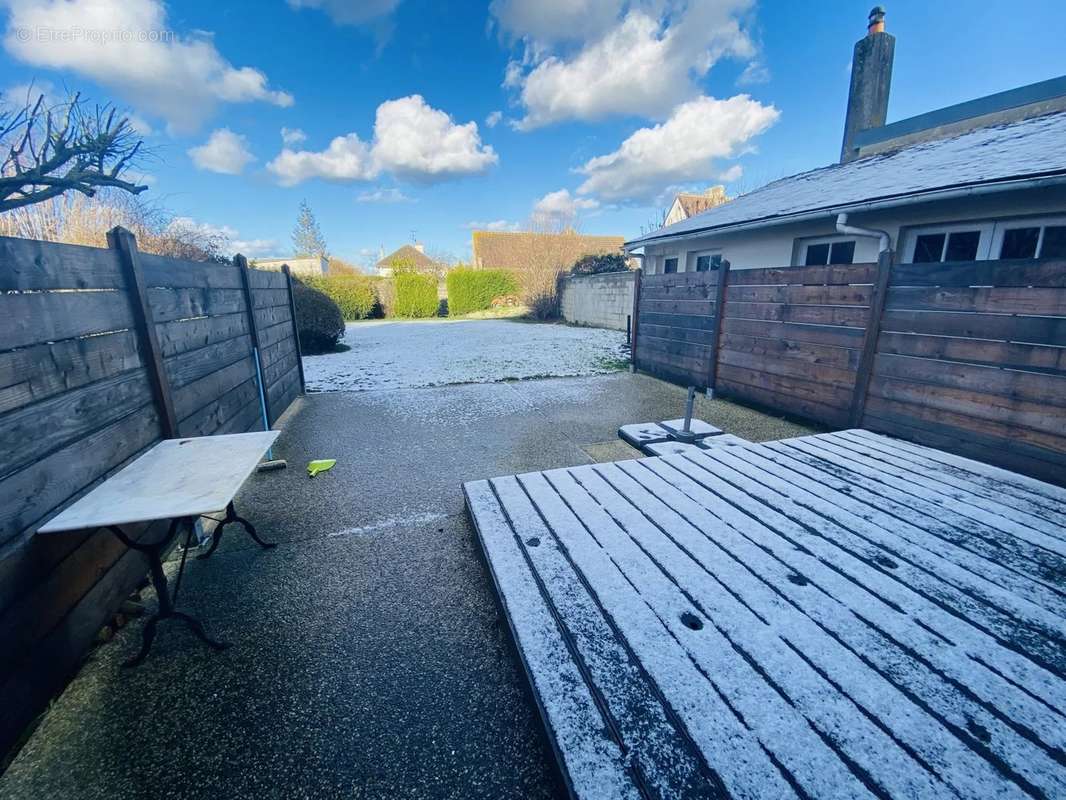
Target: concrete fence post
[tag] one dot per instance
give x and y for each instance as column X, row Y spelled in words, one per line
column 721, row 285
column 869, row 342
column 125, row 244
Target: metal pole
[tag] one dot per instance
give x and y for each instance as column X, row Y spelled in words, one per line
column 685, row 434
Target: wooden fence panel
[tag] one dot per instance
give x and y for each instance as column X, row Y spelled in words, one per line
column 676, row 326
column 792, row 338
column 972, row 358
column 81, row 387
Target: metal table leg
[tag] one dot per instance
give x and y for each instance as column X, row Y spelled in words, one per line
column 155, row 552
column 232, row 516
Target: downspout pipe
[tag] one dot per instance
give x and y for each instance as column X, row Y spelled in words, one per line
column 885, row 241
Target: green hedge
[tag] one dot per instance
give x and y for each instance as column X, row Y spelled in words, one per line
column 474, row 289
column 416, row 295
column 353, row 294
column 318, row 320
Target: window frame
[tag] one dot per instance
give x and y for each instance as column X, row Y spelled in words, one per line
column 799, row 254
column 985, row 227
column 1042, row 222
column 676, row 259
column 693, row 258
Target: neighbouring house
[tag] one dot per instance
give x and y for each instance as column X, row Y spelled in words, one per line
column 298, row 265
column 527, row 250
column 984, row 179
column 411, row 255
column 687, row 205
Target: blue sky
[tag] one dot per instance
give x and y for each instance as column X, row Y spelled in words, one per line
column 414, row 118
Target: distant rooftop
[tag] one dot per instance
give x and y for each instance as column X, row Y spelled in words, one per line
column 994, row 158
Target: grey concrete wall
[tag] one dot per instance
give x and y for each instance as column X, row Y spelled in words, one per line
column 602, row 301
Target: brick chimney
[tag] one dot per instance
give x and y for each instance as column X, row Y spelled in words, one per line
column 871, row 78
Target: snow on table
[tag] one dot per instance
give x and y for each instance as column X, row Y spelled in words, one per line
column 843, row 615
column 402, row 355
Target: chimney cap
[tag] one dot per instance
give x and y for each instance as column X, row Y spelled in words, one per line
column 877, row 20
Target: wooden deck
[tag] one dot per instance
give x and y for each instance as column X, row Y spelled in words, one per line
column 833, row 616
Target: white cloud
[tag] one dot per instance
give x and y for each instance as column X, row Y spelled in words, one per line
column 346, row 159
column 494, row 225
column 179, row 78
column 252, row 248
column 493, row 119
column 411, row 140
column 415, row 141
column 561, row 208
column 645, row 64
column 350, row 12
column 756, row 72
column 382, row 195
column 224, row 151
column 683, row 149
column 291, row 136
column 731, row 173
column 550, row 21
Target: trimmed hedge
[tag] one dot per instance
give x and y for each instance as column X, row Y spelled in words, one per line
column 318, row 320
column 353, row 294
column 474, row 289
column 598, row 264
column 416, row 295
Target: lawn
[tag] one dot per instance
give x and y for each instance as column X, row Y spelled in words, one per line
column 404, row 355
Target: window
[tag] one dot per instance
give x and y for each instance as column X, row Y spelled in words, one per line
column 1031, row 238
column 818, row 253
column 707, row 262
column 934, row 244
column 670, row 265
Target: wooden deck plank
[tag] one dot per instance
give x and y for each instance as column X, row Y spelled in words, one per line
column 874, row 757
column 818, row 617
column 888, row 514
column 991, row 672
column 727, row 691
column 656, row 743
column 970, row 596
column 1036, row 496
column 594, row 763
column 1006, row 515
column 729, row 536
column 1042, row 565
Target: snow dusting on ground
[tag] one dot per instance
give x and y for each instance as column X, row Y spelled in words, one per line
column 402, row 355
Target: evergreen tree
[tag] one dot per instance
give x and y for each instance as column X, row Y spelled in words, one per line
column 307, row 238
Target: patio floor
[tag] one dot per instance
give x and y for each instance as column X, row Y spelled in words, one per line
column 368, row 657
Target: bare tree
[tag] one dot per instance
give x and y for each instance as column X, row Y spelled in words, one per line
column 76, row 219
column 49, row 150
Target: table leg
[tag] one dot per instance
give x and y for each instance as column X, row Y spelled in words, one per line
column 232, row 516
column 155, row 552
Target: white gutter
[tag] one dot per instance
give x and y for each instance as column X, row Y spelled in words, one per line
column 851, row 208
column 884, row 240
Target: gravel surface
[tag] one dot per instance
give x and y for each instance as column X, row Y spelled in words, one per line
column 404, row 355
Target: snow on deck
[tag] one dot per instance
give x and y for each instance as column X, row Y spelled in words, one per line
column 840, row 616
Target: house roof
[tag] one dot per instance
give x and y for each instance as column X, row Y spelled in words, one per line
column 515, row 250
column 693, row 204
column 407, row 253
column 986, row 157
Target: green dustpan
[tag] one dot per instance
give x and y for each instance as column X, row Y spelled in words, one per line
column 315, row 467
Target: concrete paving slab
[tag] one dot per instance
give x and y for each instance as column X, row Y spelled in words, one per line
column 697, row 427
column 640, row 434
column 670, row 448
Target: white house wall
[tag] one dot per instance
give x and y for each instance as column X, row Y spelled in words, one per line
column 776, row 246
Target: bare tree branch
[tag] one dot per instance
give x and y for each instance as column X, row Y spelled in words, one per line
column 64, row 148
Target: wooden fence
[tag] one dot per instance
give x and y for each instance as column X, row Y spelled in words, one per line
column 103, row 353
column 967, row 357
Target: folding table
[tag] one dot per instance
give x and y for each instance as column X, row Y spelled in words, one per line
column 178, row 480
